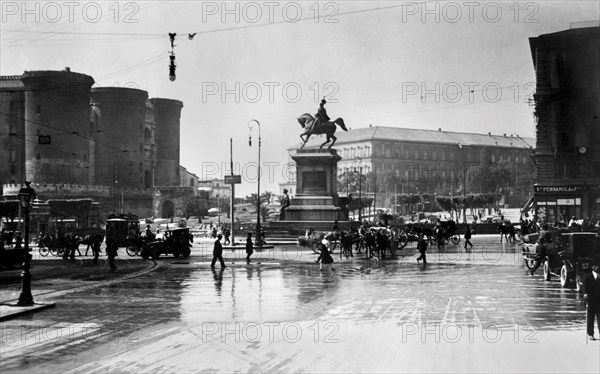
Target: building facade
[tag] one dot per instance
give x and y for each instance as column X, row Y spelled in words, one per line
column 567, row 106
column 114, row 145
column 422, row 161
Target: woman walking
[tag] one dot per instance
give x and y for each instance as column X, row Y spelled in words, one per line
column 249, row 247
column 325, row 256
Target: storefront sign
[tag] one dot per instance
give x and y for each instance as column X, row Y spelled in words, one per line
column 558, row 188
column 565, row 201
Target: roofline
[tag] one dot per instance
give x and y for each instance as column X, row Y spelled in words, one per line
column 375, row 128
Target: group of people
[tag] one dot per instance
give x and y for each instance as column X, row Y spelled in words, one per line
column 218, row 251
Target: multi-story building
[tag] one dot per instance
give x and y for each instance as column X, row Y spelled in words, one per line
column 423, row 161
column 72, row 140
column 567, row 106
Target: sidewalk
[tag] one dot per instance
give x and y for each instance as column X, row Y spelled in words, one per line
column 52, row 278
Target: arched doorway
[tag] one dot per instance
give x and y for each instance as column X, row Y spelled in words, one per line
column 167, row 210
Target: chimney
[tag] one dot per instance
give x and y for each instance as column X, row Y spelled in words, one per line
column 489, row 134
column 505, row 135
column 68, row 69
column 440, row 129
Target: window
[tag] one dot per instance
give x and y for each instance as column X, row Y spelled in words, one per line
column 38, row 109
column 13, row 169
column 12, row 155
column 493, row 158
column 84, row 158
column 433, row 155
column 192, row 182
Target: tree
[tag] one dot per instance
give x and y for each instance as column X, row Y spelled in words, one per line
column 193, row 206
column 267, row 196
column 265, row 212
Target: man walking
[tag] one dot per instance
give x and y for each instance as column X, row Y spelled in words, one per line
column 468, row 234
column 218, row 253
column 591, row 293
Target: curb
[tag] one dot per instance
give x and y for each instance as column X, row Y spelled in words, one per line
column 9, row 311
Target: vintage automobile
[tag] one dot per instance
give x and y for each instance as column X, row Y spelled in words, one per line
column 176, row 241
column 569, row 256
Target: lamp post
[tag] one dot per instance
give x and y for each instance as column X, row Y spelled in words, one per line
column 259, row 239
column 359, row 189
column 26, row 194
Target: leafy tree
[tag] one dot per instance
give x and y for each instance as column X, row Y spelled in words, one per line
column 267, row 196
column 193, row 206
column 265, row 212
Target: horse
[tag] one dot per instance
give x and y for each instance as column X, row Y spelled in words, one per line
column 507, row 230
column 328, row 128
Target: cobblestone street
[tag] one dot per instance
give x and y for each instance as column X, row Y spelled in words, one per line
column 281, row 313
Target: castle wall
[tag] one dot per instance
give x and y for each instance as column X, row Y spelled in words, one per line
column 118, row 116
column 167, row 114
column 56, row 103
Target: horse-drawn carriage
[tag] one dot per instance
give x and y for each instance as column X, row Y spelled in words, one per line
column 567, row 255
column 176, row 242
column 446, row 232
column 124, row 231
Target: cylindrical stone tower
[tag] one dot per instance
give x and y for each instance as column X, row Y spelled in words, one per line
column 167, row 114
column 118, row 116
column 56, row 104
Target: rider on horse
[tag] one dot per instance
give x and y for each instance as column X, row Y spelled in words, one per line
column 321, row 115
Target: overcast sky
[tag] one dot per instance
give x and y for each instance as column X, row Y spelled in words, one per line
column 372, row 60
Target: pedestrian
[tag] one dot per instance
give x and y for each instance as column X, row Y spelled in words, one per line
column 541, row 250
column 214, row 233
column 96, row 249
column 88, row 240
column 468, row 234
column 591, row 294
column 218, row 253
column 324, row 256
column 249, row 247
column 18, row 241
column 422, row 248
column 111, row 251
column 227, row 235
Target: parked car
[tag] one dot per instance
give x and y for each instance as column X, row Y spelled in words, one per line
column 569, row 256
column 176, row 242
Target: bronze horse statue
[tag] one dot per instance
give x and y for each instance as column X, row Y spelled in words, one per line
column 328, row 128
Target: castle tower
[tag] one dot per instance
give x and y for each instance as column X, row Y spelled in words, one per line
column 117, row 124
column 56, row 104
column 167, row 114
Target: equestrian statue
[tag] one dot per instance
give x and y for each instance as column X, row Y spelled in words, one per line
column 319, row 124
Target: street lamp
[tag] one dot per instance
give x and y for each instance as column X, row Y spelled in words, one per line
column 26, row 195
column 359, row 189
column 259, row 239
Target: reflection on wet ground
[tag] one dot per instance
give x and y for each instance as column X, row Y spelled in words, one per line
column 361, row 292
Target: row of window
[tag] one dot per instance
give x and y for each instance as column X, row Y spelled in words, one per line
column 419, row 152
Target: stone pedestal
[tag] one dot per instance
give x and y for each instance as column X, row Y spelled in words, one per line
column 316, row 187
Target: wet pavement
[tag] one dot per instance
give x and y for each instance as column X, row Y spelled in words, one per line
column 463, row 312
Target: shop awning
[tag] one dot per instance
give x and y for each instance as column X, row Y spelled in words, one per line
column 529, row 205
